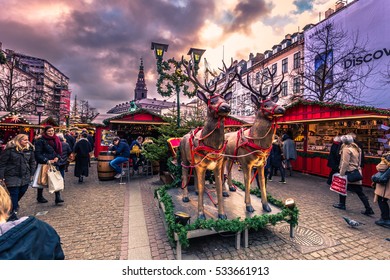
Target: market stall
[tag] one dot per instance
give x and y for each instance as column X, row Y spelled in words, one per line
column 315, row 124
column 127, row 126
column 12, row 124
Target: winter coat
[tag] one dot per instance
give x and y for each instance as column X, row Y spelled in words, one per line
column 122, row 150
column 29, row 239
column 350, row 159
column 275, row 155
column 289, row 150
column 17, row 167
column 70, row 140
column 334, row 156
column 44, row 152
column 66, row 151
column 82, row 149
column 382, row 190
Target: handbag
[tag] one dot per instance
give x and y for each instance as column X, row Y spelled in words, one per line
column 55, row 180
column 37, row 176
column 339, row 184
column 354, row 175
column 381, row 177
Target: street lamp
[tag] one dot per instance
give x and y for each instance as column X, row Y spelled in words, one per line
column 39, row 107
column 171, row 75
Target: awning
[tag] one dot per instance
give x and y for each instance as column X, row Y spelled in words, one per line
column 355, row 117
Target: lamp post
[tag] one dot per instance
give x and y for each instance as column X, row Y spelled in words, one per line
column 39, row 107
column 171, row 75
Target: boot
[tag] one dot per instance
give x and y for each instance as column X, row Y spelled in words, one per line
column 58, row 198
column 40, row 197
column 368, row 212
column 339, row 206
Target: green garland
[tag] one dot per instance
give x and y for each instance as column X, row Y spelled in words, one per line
column 338, row 105
column 235, row 225
column 175, row 80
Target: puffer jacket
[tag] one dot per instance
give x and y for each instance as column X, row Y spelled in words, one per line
column 17, row 167
column 382, row 190
column 29, row 239
column 350, row 159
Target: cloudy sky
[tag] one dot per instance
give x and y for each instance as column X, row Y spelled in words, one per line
column 98, row 44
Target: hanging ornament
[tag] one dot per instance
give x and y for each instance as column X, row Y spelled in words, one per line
column 26, row 129
column 15, row 118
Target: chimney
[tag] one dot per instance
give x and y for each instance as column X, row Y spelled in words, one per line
column 329, row 12
column 1, row 46
column 288, row 37
column 251, row 56
column 340, row 4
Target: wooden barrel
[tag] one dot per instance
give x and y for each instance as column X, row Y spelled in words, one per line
column 105, row 171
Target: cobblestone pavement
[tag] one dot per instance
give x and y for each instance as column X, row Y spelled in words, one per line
column 95, row 219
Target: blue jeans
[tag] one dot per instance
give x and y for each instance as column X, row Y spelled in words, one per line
column 115, row 163
column 16, row 193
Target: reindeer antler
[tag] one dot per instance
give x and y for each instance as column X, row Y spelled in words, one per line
column 259, row 93
column 227, row 71
column 190, row 70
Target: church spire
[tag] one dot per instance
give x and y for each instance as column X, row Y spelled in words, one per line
column 140, row 91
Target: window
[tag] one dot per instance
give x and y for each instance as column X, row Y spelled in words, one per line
column 297, row 60
column 296, row 85
column 265, row 74
column 284, row 88
column 257, row 81
column 274, row 68
column 285, row 65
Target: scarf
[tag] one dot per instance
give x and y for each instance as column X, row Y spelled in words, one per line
column 54, row 142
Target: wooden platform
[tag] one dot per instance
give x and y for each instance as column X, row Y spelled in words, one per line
column 234, row 204
column 234, row 208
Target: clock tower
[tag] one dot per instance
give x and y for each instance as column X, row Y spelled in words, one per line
column 140, row 91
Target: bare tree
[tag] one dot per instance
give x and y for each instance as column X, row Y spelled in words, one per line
column 17, row 85
column 87, row 113
column 333, row 67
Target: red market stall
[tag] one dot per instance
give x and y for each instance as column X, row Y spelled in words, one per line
column 12, row 124
column 315, row 124
column 127, row 125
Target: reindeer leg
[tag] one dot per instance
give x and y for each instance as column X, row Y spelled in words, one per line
column 247, row 170
column 264, row 200
column 224, row 180
column 218, row 173
column 184, row 184
column 229, row 175
column 196, row 182
column 200, row 177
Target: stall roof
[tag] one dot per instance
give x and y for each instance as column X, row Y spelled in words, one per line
column 140, row 116
column 314, row 111
column 10, row 118
column 233, row 120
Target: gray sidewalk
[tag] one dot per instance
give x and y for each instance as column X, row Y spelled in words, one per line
column 109, row 221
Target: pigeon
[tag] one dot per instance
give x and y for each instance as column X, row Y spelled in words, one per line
column 352, row 223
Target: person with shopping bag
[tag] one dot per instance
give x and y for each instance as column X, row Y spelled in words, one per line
column 17, row 166
column 48, row 149
column 351, row 156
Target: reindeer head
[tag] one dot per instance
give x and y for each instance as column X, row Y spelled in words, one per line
column 268, row 107
column 217, row 104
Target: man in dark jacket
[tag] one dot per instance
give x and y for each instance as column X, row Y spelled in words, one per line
column 121, row 150
column 334, row 158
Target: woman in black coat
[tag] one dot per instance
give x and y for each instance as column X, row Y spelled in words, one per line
column 82, row 148
column 48, row 149
column 334, row 158
column 17, row 166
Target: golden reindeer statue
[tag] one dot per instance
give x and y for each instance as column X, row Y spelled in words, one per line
column 251, row 147
column 203, row 148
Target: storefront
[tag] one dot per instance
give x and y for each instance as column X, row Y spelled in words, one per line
column 315, row 124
